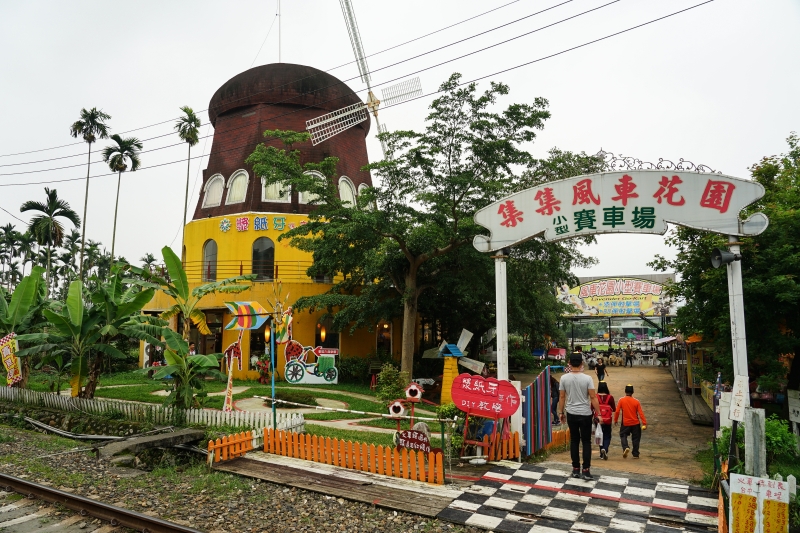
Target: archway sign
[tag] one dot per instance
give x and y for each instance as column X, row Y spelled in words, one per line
column 635, row 201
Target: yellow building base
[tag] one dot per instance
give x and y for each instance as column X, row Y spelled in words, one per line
column 449, row 374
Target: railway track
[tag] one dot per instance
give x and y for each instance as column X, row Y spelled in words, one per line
column 26, row 515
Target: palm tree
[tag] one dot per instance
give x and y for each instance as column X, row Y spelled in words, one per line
column 8, row 244
column 117, row 158
column 14, row 274
column 46, row 226
column 26, row 248
column 90, row 126
column 188, row 127
column 148, row 260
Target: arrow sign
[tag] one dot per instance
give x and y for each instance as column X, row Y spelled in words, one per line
column 319, row 350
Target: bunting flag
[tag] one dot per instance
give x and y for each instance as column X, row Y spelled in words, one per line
column 283, row 330
column 8, row 350
column 246, row 315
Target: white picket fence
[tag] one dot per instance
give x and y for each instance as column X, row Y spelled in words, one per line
column 156, row 414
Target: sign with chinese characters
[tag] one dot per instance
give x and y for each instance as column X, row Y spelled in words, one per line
column 616, row 297
column 641, row 201
column 794, row 405
column 748, row 494
column 489, row 397
column 259, row 223
column 740, row 395
column 413, row 440
column 8, row 350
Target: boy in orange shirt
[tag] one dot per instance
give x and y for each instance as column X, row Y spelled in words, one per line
column 632, row 417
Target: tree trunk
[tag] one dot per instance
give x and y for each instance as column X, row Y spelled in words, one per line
column 116, row 208
column 47, row 281
column 94, row 377
column 409, row 323
column 85, row 205
column 186, row 205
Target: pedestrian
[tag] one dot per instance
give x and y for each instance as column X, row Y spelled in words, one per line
column 576, row 405
column 600, row 368
column 628, row 355
column 606, row 413
column 633, row 422
column 192, row 349
column 554, row 401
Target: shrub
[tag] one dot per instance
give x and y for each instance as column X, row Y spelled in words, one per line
column 781, row 442
column 523, row 359
column 391, row 383
column 354, row 369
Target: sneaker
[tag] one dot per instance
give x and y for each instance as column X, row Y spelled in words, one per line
column 576, row 473
column 635, row 456
column 587, row 475
column 626, row 452
column 603, row 454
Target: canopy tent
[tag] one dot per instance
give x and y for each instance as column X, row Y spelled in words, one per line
column 663, row 340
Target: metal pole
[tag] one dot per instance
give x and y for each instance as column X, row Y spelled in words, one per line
column 572, row 335
column 501, row 307
column 736, row 300
column 272, row 354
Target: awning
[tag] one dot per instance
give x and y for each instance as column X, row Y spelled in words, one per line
column 663, row 340
column 694, row 338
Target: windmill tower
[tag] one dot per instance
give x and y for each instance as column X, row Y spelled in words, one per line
column 326, row 126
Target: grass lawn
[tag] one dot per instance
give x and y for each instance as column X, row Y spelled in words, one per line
column 384, row 439
column 139, row 393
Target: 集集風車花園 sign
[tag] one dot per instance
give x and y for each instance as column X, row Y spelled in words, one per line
column 641, row 201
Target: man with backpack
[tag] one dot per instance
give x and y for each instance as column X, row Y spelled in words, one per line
column 607, row 408
column 633, row 422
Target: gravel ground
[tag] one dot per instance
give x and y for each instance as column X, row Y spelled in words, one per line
column 215, row 502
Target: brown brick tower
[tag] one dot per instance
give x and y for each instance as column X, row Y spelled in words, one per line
column 277, row 96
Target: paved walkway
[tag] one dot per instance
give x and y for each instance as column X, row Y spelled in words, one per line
column 670, row 442
column 517, row 498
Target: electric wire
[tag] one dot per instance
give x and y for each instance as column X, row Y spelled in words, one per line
column 404, row 102
column 265, row 40
column 334, row 68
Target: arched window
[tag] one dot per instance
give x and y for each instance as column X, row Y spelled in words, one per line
column 213, row 191
column 347, row 193
column 210, row 260
column 361, row 188
column 237, row 187
column 325, row 336
column 263, row 259
column 275, row 192
column 308, row 197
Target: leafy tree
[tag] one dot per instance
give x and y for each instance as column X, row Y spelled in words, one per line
column 46, row 226
column 770, row 264
column 22, row 314
column 188, row 127
column 117, row 157
column 91, row 126
column 430, row 185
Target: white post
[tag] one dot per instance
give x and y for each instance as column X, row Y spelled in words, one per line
column 736, row 300
column 755, row 444
column 501, row 308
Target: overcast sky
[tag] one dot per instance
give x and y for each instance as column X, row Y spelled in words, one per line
column 717, row 85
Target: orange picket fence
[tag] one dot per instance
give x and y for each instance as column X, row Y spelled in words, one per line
column 383, row 460
column 560, row 438
column 502, row 449
column 230, row 447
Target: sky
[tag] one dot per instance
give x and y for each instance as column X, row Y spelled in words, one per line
column 717, row 85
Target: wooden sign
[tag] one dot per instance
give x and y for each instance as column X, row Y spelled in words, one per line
column 748, row 494
column 413, row 440
column 794, row 405
column 489, row 397
column 739, row 398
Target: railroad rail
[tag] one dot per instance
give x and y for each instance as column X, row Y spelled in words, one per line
column 116, row 516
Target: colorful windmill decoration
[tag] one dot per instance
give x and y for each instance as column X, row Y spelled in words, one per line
column 246, row 315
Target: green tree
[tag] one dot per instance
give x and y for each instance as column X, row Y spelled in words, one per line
column 770, row 265
column 91, row 126
column 117, row 157
column 46, row 226
column 188, row 127
column 430, row 185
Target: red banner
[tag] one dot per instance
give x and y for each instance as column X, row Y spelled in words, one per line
column 490, row 398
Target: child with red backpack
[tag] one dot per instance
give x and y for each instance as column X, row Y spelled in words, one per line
column 607, row 408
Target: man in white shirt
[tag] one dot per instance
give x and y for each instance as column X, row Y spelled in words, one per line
column 578, row 406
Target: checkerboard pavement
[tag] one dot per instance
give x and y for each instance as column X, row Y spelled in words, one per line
column 526, row 498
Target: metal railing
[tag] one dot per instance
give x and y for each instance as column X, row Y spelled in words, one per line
column 266, row 270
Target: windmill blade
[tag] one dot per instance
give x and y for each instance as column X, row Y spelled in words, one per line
column 400, row 92
column 355, row 39
column 382, row 128
column 326, row 126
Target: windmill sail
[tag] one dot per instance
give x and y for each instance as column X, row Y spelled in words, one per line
column 400, row 92
column 326, row 126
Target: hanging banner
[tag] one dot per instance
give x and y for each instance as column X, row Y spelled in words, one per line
column 640, row 201
column 617, row 297
column 8, row 350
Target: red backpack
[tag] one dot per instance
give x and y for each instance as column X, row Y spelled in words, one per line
column 606, row 412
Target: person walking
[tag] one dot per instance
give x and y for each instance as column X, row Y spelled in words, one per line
column 554, row 395
column 606, row 413
column 600, row 369
column 633, row 422
column 628, row 355
column 576, row 405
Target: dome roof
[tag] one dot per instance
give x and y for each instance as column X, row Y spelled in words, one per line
column 284, row 84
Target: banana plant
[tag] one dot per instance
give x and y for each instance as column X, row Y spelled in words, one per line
column 23, row 313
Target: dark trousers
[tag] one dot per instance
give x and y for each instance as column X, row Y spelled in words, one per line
column 606, row 436
column 629, row 360
column 580, row 431
column 554, row 408
column 636, row 435
column 601, row 376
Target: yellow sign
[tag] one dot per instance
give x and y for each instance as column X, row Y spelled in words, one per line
column 748, row 494
column 8, row 350
column 743, row 511
column 616, row 297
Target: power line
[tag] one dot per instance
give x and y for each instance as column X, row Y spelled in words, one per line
column 13, row 215
column 265, row 39
column 410, row 100
column 289, row 83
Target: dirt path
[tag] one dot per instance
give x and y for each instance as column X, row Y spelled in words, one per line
column 670, row 441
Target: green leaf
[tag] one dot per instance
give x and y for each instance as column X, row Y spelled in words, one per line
column 23, row 297
column 110, row 350
column 135, row 304
column 176, row 272
column 175, row 342
column 203, row 360
column 164, row 371
column 172, row 358
column 61, row 323
column 75, row 303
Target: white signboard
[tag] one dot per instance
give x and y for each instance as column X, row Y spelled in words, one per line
column 640, row 201
column 794, row 405
column 739, row 398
